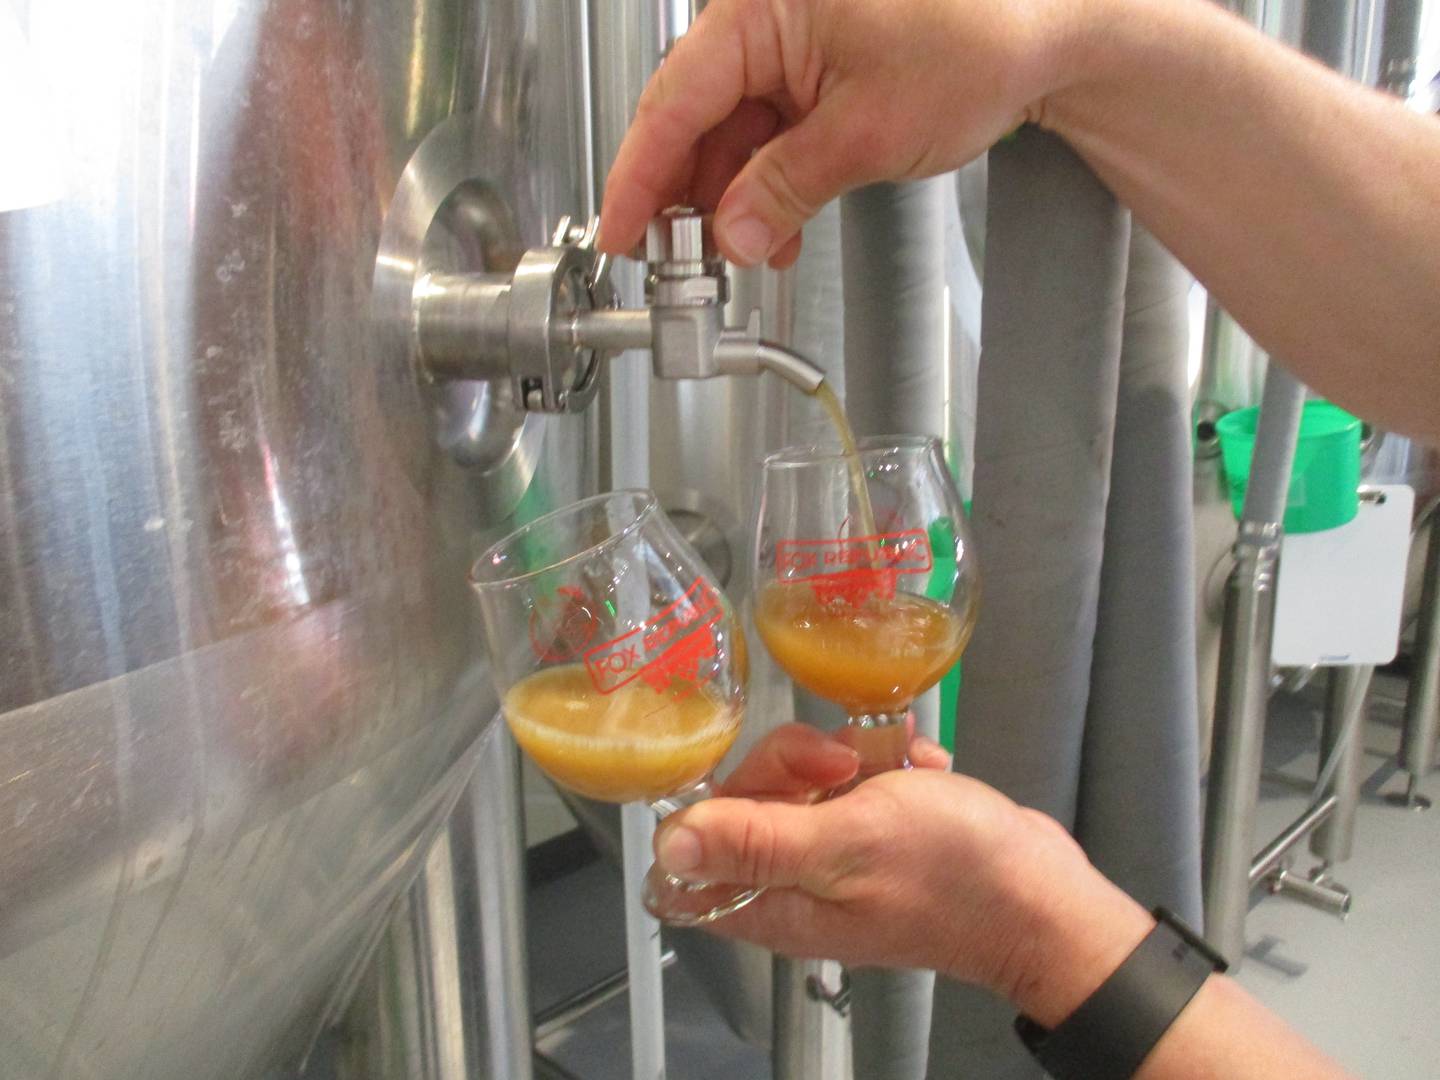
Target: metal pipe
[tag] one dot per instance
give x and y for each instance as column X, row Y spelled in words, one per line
column 462, row 325
column 570, row 1009
column 608, row 331
column 804, row 1047
column 624, row 50
column 1342, row 739
column 642, row 944
column 622, row 36
column 445, row 996
column 1322, row 894
column 1400, row 49
column 1271, row 854
column 1281, row 404
column 496, row 815
column 1422, row 700
column 1242, row 689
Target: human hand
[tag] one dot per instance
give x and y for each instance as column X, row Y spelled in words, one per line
column 917, row 868
column 768, row 109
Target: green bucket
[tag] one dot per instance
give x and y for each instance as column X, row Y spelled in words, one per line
column 1325, row 480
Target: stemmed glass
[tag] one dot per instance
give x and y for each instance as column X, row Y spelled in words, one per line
column 866, row 584
column 621, row 664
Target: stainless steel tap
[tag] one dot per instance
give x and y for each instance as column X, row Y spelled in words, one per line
column 550, row 325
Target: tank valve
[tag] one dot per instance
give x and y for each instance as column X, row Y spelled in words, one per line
column 548, row 327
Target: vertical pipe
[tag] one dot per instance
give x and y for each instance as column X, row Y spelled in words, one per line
column 1330, row 32
column 492, row 805
column 893, row 263
column 1400, row 48
column 1056, row 238
column 1280, row 407
column 1422, row 702
column 624, row 50
column 642, row 948
column 1343, row 735
column 626, row 47
column 1138, row 814
column 446, row 995
column 1242, row 690
column 804, row 1047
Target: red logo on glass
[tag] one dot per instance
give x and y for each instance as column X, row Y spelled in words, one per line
column 561, row 626
column 670, row 646
column 854, row 568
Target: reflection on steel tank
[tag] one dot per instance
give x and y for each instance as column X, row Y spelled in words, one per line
column 239, row 684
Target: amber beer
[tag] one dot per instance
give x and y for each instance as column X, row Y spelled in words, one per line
column 631, row 744
column 634, row 720
column 839, row 624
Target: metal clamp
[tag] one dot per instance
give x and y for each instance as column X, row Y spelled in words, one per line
column 517, row 326
column 550, row 287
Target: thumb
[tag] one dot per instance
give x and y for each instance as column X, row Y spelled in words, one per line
column 742, row 842
column 786, row 183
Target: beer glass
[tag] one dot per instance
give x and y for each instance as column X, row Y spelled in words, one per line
column 620, row 663
column 866, row 584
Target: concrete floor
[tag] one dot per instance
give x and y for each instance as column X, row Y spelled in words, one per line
column 567, row 954
column 1366, row 990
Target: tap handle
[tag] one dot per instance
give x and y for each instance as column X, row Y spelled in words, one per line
column 679, row 243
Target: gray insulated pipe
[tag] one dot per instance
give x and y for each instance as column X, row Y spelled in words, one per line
column 1079, row 694
column 1055, row 259
column 1056, row 255
column 893, row 257
column 1138, row 811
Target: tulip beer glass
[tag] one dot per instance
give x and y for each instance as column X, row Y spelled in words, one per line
column 621, row 665
column 866, row 583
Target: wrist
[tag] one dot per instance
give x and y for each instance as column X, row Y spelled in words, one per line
column 1078, row 57
column 1077, row 940
column 1125, row 53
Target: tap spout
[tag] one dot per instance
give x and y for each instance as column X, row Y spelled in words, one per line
column 739, row 352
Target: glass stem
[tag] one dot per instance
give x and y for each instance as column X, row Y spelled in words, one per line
column 689, row 795
column 881, row 739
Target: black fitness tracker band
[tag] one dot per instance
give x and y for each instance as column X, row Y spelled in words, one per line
column 1113, row 1030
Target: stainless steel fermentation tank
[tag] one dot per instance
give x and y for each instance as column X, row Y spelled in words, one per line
column 239, row 686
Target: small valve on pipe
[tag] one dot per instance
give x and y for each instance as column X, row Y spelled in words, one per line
column 549, row 326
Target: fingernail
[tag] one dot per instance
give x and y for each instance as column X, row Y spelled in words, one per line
column 678, row 850
column 837, row 753
column 749, row 238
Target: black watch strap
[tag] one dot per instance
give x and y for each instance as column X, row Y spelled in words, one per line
column 1110, row 1034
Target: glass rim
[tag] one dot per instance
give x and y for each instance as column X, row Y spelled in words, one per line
column 647, row 503
column 810, row 454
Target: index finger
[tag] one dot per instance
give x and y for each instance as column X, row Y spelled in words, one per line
column 699, row 84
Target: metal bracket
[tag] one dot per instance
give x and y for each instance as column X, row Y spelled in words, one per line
column 838, row 999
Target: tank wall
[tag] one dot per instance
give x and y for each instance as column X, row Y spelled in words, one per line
column 238, row 674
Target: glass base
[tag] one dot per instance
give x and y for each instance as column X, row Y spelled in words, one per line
column 692, row 903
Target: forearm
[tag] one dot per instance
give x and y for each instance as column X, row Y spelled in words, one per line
column 1309, row 206
column 1080, row 937
column 1224, row 1032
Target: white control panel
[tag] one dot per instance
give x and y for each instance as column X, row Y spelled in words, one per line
column 1341, row 591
